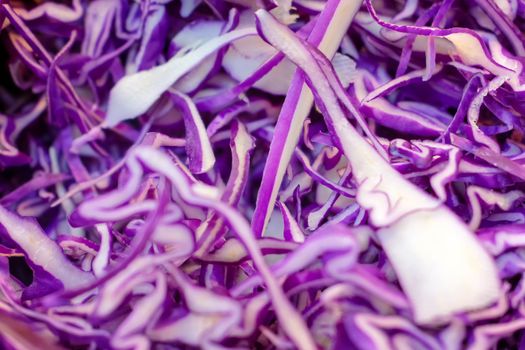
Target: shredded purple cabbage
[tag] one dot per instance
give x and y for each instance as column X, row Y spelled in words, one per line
column 238, row 174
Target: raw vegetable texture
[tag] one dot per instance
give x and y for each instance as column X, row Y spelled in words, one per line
column 249, row 174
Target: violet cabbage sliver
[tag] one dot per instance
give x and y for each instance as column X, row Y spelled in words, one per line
column 288, row 174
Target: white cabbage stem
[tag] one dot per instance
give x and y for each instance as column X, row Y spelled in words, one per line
column 440, row 265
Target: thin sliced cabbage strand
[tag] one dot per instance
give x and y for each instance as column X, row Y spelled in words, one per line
column 439, row 263
column 198, row 146
column 134, row 94
column 241, row 145
column 42, row 253
column 327, row 35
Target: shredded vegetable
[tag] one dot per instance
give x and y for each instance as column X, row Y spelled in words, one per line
column 240, row 174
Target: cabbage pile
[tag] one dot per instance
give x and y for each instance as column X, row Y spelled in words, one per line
column 262, row 174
